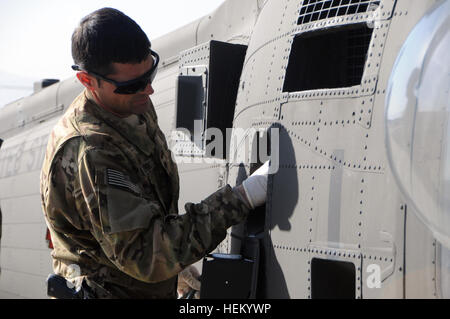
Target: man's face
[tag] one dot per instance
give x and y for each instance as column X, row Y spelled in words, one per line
column 125, row 104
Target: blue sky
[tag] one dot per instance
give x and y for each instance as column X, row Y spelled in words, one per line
column 35, row 34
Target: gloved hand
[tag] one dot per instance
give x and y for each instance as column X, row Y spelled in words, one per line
column 187, row 280
column 255, row 186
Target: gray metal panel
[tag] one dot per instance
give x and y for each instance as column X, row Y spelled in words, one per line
column 420, row 259
column 25, row 260
column 198, row 181
column 171, row 44
column 43, row 105
column 335, row 139
column 420, row 250
column 8, row 121
column 232, row 22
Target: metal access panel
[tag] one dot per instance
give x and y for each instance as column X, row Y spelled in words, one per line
column 227, row 277
column 331, row 279
column 331, row 59
column 25, row 258
column 207, row 87
column 191, row 101
column 225, row 67
column 333, row 197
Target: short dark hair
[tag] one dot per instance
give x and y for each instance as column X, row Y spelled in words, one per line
column 106, row 36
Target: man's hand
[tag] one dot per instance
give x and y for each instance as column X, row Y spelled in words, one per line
column 188, row 280
column 255, row 186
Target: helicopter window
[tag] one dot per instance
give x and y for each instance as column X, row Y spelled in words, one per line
column 190, row 97
column 206, row 94
column 331, row 279
column 313, row 10
column 328, row 59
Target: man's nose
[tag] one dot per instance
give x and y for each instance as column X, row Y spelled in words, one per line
column 149, row 89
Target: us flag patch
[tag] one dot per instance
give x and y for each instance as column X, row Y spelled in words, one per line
column 116, row 178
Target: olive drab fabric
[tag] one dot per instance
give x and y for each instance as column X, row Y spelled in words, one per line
column 109, row 195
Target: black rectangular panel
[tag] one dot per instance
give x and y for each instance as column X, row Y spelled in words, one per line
column 331, row 279
column 190, row 96
column 328, row 59
column 225, row 68
column 227, row 277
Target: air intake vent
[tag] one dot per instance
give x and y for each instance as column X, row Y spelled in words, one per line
column 332, row 279
column 328, row 59
column 313, row 10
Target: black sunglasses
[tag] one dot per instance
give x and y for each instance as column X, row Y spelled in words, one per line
column 131, row 86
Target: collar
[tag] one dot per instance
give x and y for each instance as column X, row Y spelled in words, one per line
column 117, row 125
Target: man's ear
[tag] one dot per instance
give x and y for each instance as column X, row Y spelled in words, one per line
column 87, row 80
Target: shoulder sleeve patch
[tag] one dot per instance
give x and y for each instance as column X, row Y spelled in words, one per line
column 118, row 179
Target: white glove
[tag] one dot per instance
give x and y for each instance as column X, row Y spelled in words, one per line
column 255, row 186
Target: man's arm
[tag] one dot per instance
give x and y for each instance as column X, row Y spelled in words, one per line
column 134, row 232
column 241, row 191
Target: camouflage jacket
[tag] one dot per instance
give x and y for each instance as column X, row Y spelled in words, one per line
column 110, row 197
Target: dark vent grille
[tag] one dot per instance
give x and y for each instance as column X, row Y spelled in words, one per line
column 313, row 10
column 332, row 279
column 328, row 59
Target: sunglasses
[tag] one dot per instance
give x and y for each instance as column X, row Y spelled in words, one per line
column 131, row 86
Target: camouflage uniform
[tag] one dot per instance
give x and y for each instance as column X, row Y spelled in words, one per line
column 110, row 197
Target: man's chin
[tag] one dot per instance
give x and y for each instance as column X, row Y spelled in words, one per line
column 141, row 107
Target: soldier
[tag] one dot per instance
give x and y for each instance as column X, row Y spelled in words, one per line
column 109, row 186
